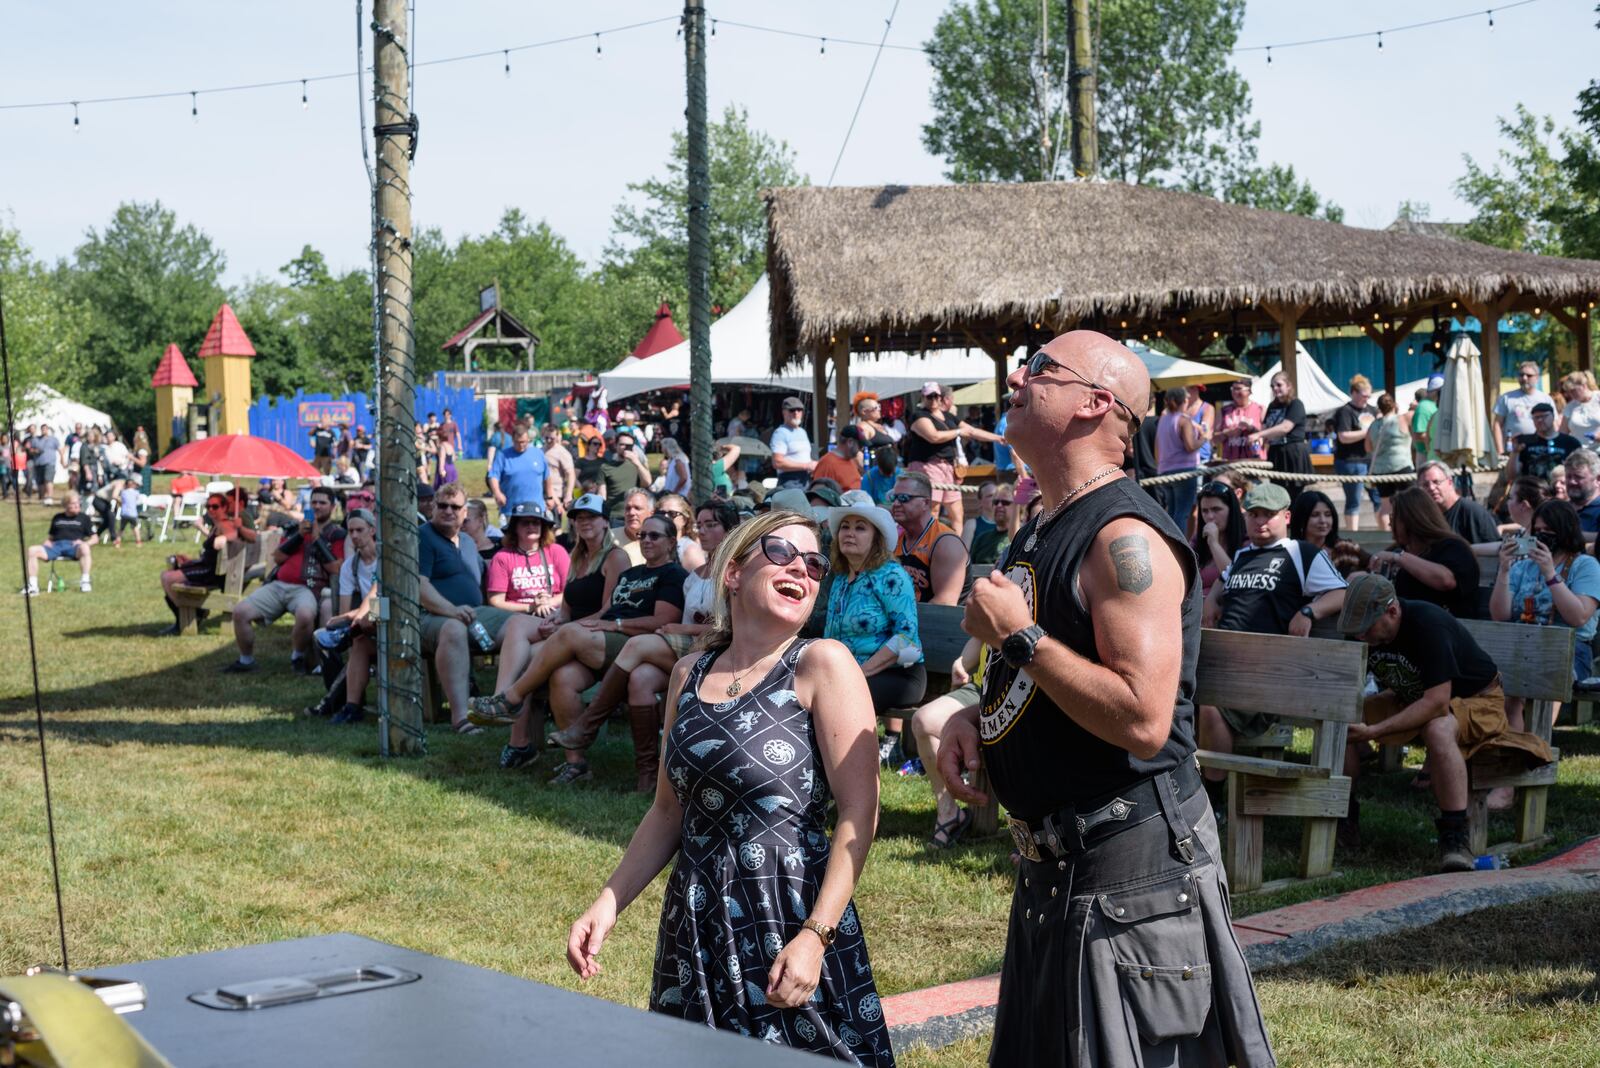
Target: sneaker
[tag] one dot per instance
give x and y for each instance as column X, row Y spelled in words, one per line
column 571, row 773
column 890, row 752
column 348, row 714
column 239, row 667
column 1454, row 852
column 297, row 664
column 168, row 631
column 913, row 767
column 85, row 587
column 29, row 590
column 513, row 757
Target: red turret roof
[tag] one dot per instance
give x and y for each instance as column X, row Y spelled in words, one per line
column 173, row 370
column 226, row 337
column 661, row 336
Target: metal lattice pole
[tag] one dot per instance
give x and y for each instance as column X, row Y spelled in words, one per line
column 699, row 193
column 394, row 130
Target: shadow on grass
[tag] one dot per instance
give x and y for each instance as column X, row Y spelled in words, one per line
column 1492, row 943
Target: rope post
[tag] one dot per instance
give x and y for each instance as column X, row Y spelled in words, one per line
column 400, row 625
column 700, row 440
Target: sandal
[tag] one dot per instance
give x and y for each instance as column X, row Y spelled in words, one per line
column 465, row 727
column 948, row 834
column 496, row 711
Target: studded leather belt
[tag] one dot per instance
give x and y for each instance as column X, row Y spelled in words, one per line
column 1073, row 829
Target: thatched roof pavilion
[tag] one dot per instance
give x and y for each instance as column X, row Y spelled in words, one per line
column 995, row 266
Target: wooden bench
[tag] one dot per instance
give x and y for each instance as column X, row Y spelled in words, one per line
column 238, row 568
column 1309, row 681
column 1535, row 664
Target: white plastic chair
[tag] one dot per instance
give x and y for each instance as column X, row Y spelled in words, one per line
column 189, row 509
column 153, row 506
column 219, row 487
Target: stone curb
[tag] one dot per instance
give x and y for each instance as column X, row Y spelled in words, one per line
column 939, row 1015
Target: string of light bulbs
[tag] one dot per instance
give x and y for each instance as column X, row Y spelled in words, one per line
column 823, row 40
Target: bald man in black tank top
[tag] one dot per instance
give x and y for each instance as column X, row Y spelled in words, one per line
column 1087, row 729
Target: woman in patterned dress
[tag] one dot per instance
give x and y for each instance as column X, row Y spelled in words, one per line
column 758, row 932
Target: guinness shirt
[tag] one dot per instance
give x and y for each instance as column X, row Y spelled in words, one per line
column 1263, row 588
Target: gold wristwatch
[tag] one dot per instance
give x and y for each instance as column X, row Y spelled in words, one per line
column 822, row 931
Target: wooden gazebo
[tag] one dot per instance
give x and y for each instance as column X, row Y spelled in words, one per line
column 997, row 266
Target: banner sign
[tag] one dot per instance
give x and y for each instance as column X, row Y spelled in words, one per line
column 327, row 413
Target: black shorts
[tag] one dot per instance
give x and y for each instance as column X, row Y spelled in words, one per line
column 898, row 687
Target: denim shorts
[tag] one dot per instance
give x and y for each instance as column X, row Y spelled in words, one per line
column 1352, row 490
column 60, row 550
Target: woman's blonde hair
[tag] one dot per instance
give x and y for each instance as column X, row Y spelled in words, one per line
column 1573, row 379
column 740, row 542
column 582, row 563
column 668, row 500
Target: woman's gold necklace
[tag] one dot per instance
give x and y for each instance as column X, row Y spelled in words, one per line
column 736, row 687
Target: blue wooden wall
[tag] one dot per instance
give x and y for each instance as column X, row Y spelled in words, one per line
column 278, row 418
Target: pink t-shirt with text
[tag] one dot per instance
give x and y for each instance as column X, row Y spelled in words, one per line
column 522, row 577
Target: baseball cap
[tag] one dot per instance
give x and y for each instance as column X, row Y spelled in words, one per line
column 528, row 510
column 821, row 489
column 793, row 500
column 589, row 502
column 793, row 404
column 1268, row 495
column 930, row 389
column 1435, row 382
column 1368, row 597
column 424, row 492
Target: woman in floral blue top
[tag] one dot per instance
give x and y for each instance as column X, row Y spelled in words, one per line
column 872, row 609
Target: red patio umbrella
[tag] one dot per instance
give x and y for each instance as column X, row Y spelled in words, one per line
column 237, row 456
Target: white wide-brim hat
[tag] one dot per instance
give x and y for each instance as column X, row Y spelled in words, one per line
column 878, row 517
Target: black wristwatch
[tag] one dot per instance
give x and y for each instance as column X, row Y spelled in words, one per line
column 1017, row 649
column 1309, row 612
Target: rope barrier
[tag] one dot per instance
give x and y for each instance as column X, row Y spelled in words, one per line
column 1258, row 468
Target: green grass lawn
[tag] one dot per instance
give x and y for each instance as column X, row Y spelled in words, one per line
column 194, row 812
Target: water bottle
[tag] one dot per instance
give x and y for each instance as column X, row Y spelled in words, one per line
column 480, row 637
column 1489, row 862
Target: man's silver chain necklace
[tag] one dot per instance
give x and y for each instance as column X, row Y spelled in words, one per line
column 1044, row 520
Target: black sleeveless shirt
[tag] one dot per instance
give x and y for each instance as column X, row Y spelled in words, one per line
column 1039, row 759
column 918, row 449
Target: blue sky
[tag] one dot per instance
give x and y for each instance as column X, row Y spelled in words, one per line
column 564, row 134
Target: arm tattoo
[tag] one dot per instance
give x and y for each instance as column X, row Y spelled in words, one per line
column 1131, row 555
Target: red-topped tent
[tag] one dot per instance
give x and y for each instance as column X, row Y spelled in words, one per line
column 661, row 336
column 173, row 370
column 226, row 337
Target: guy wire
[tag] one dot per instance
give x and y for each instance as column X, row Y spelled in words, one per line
column 33, row 648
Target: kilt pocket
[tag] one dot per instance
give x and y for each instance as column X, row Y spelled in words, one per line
column 1158, row 940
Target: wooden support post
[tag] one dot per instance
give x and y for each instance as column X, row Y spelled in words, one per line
column 1388, row 336
column 1287, row 316
column 1488, row 315
column 1246, row 834
column 841, row 384
column 1577, row 321
column 819, row 399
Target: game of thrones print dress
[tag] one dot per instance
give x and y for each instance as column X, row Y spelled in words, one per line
column 750, row 865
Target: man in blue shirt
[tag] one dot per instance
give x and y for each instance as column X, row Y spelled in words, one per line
column 1002, row 451
column 452, row 601
column 521, row 473
column 882, row 475
column 791, row 446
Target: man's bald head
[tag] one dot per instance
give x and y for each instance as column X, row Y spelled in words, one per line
column 1106, row 361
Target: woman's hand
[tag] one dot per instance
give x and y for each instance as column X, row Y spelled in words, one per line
column 548, row 627
column 1508, row 556
column 795, row 973
column 1540, row 555
column 1209, row 533
column 588, row 934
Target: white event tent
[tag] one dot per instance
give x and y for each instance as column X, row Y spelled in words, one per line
column 1317, row 391
column 42, row 404
column 739, row 356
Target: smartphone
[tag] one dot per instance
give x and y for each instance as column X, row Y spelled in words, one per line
column 1525, row 544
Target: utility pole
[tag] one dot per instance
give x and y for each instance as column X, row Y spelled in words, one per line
column 1081, row 90
column 400, row 628
column 1045, row 168
column 694, row 45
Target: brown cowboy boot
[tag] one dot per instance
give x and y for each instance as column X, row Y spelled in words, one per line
column 646, row 723
column 581, row 732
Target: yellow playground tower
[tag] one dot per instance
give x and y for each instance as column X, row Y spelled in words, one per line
column 226, row 353
column 174, row 385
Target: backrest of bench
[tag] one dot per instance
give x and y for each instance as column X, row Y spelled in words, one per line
column 1534, row 662
column 1308, row 678
column 939, row 627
